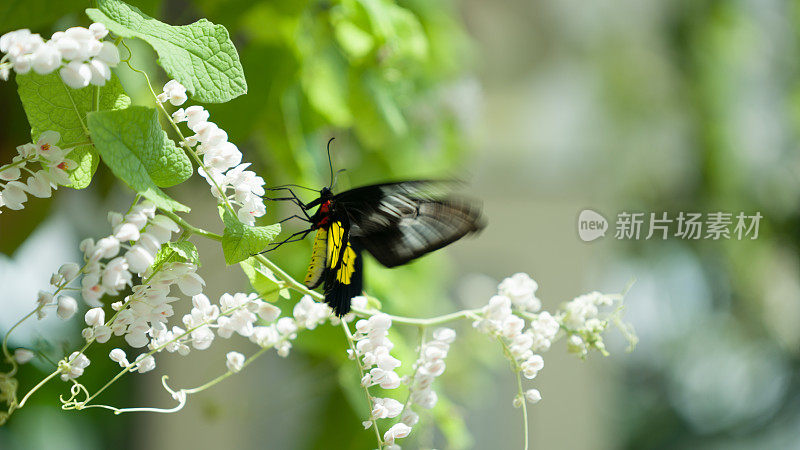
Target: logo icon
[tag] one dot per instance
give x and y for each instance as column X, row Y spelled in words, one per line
column 591, row 225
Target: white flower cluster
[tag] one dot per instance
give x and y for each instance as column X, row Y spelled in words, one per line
column 307, row 314
column 499, row 320
column 80, row 53
column 143, row 315
column 521, row 289
column 235, row 313
column 53, row 172
column 112, row 276
column 580, row 318
column 429, row 366
column 222, row 159
column 373, row 347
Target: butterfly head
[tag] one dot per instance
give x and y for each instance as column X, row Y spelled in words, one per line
column 325, row 193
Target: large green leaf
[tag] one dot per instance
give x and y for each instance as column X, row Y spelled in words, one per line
column 51, row 105
column 240, row 241
column 200, row 55
column 133, row 145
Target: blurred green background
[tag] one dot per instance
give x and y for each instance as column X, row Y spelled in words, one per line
column 546, row 108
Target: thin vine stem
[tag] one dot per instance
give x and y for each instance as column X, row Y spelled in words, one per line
column 520, row 391
column 352, row 344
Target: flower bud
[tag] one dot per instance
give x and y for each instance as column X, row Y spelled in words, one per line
column 69, row 271
column 66, row 307
column 533, row 396
column 234, row 361
column 23, row 355
column 95, row 317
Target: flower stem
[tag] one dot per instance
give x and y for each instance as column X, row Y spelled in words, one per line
column 520, row 391
column 191, row 229
column 352, row 344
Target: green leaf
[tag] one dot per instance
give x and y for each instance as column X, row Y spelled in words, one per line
column 240, row 241
column 263, row 281
column 132, row 144
column 51, row 105
column 200, row 56
column 181, row 251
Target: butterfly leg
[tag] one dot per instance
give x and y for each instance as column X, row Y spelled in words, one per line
column 294, row 199
column 295, row 217
column 293, row 238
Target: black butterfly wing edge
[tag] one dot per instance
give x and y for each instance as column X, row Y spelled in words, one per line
column 401, row 221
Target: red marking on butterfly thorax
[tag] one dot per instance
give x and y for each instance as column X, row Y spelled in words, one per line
column 325, row 206
column 324, row 209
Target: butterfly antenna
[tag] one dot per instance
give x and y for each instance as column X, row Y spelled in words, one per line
column 330, row 164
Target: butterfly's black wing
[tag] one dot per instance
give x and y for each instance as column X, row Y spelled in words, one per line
column 398, row 222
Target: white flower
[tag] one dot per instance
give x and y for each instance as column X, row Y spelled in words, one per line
column 397, row 431
column 533, row 396
column 23, row 355
column 100, row 72
column 95, row 317
column 126, row 232
column 44, row 298
column 308, row 313
column 234, row 361
column 383, row 408
column 286, row 326
column 196, row 115
column 162, row 227
column 265, row 336
column 544, row 330
column 118, row 356
column 38, row 185
column 139, row 259
column 14, row 195
column 108, row 247
column 67, row 306
column 116, row 275
column 409, row 417
column 145, row 363
column 174, row 92
column 268, row 312
column 76, row 74
column 45, row 59
column 74, row 366
column 521, row 289
column 136, row 339
column 69, row 271
column 108, row 54
column 99, row 31
column 91, row 290
column 446, row 335
column 191, row 284
column 102, row 334
column 532, row 366
column 10, row 174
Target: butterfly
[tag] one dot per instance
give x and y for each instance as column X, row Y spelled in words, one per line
column 395, row 222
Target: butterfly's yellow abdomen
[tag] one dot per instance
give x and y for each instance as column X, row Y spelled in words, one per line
column 318, row 259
